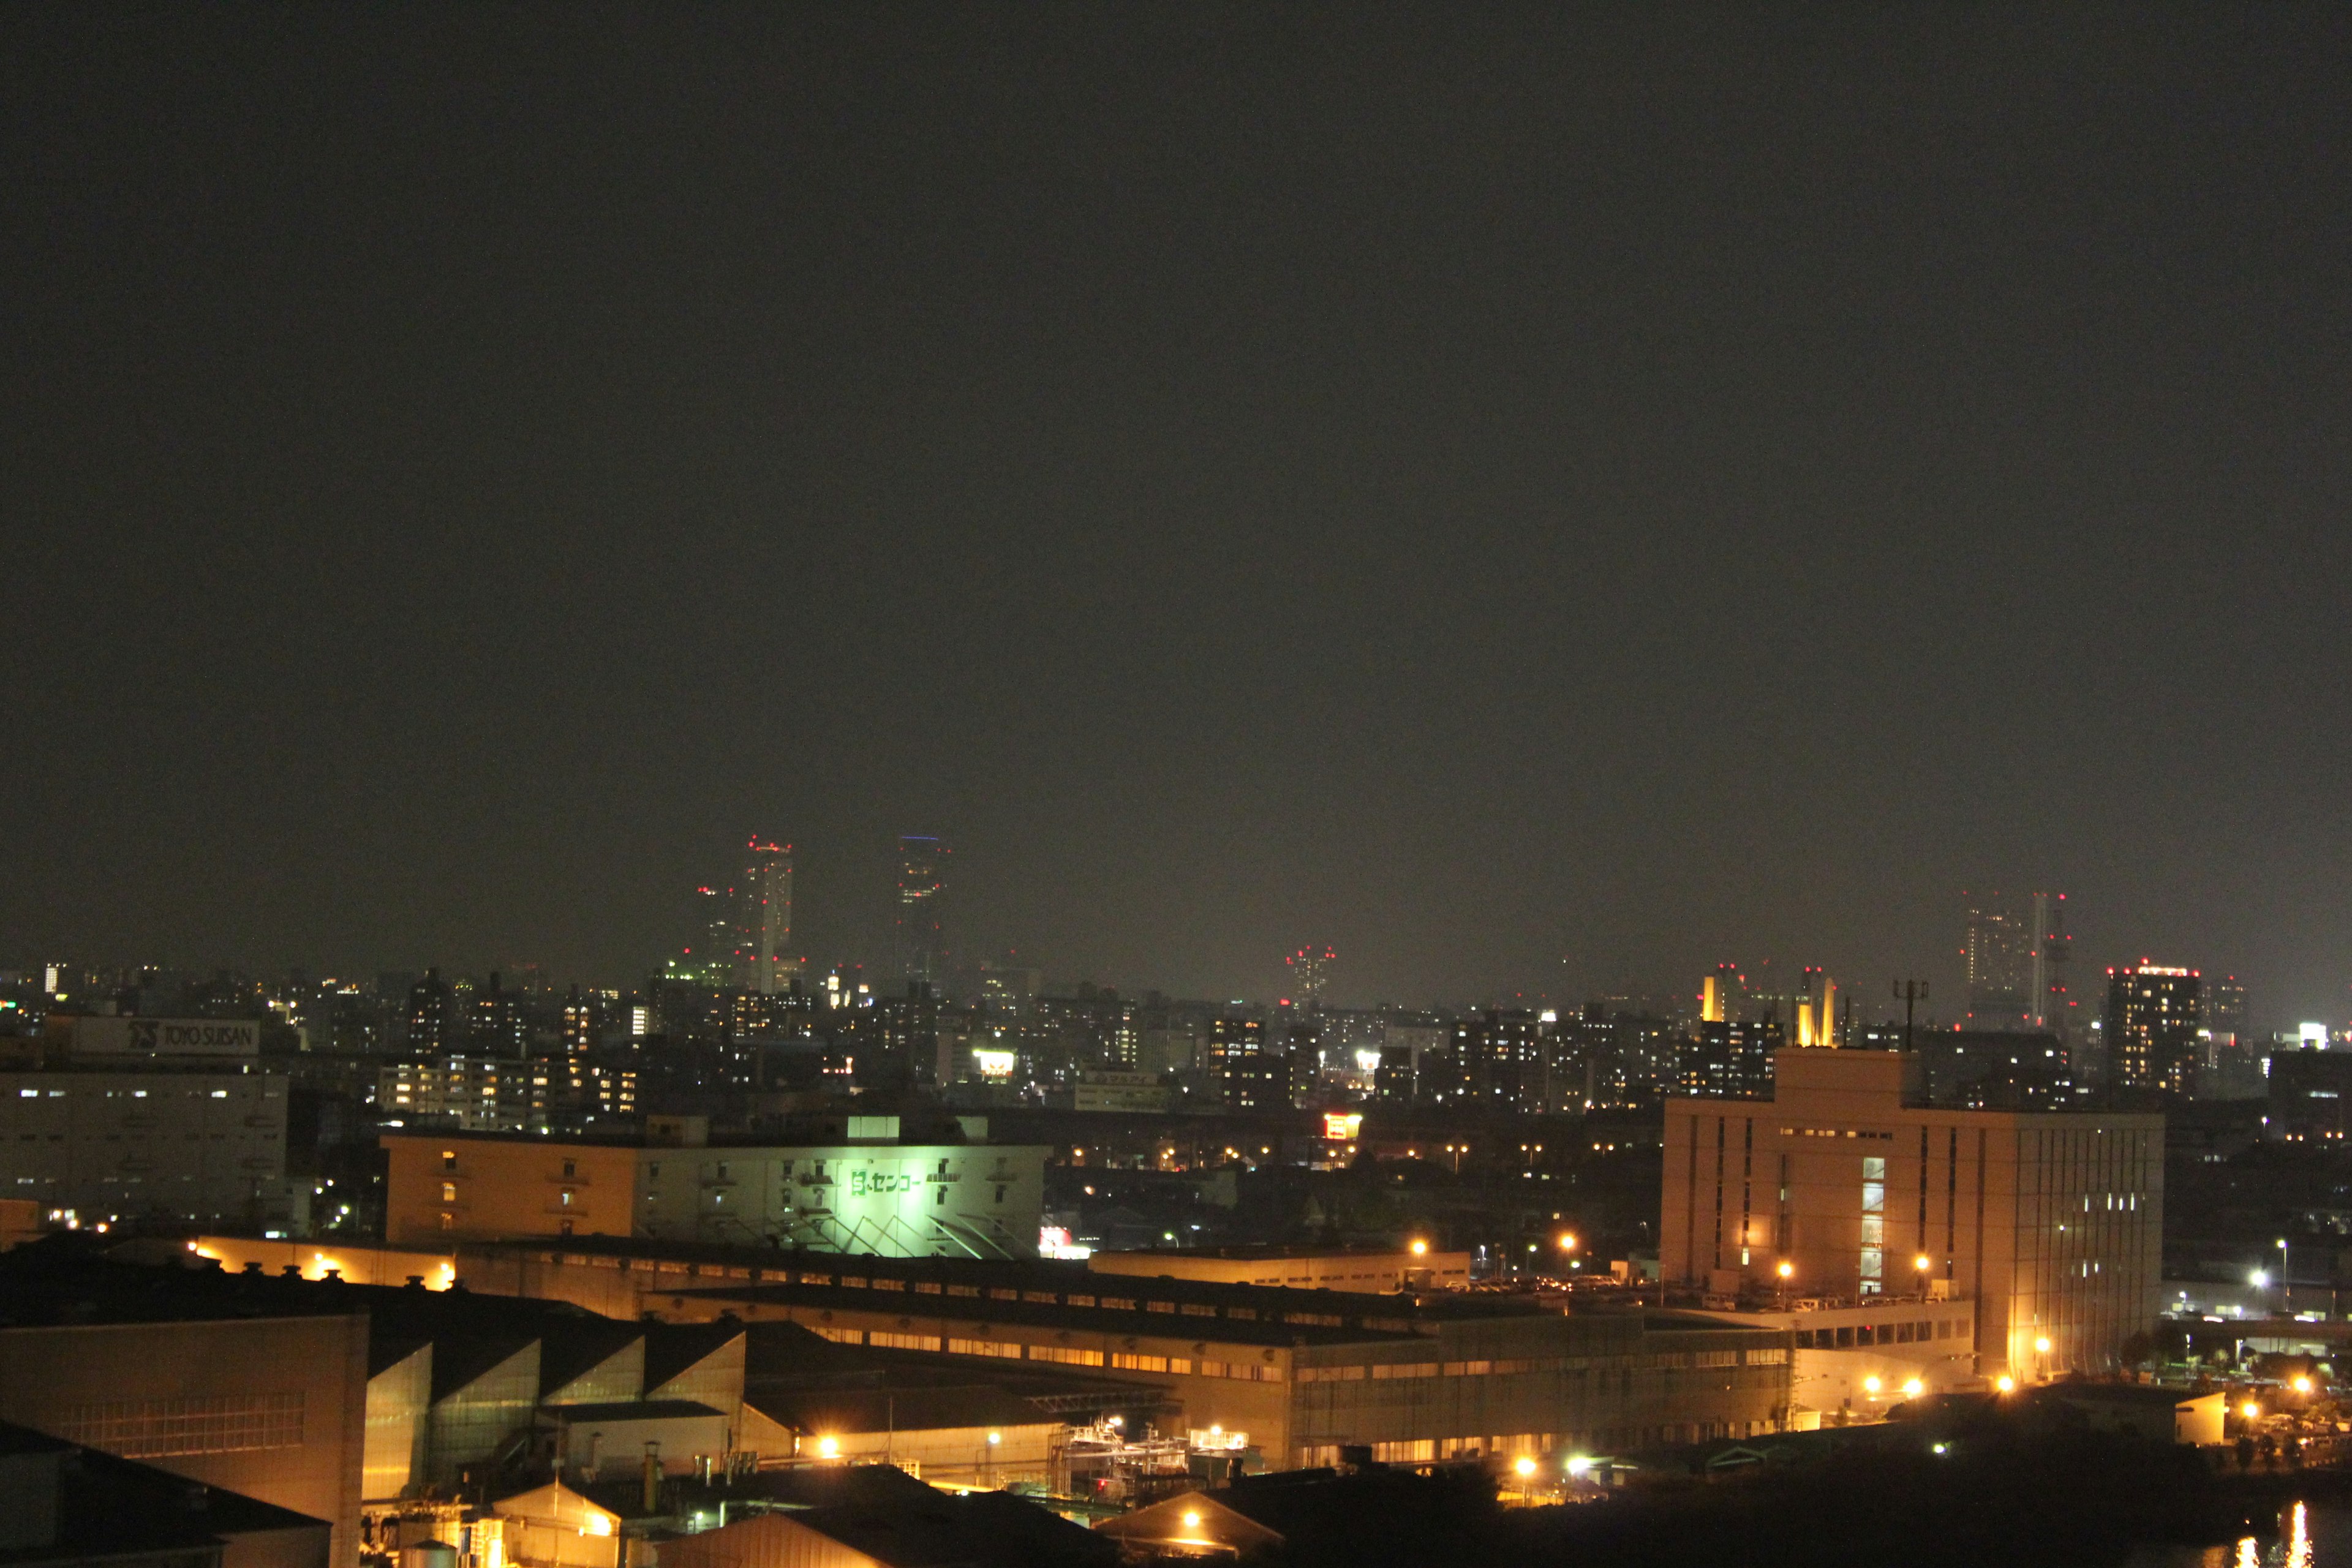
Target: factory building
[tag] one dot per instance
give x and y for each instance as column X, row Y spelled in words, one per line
column 109, row 1145
column 863, row 1195
column 1846, row 1189
column 1292, row 1373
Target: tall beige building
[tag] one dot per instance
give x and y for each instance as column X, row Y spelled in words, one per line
column 2050, row 1224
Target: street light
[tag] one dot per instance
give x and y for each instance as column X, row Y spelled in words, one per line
column 1523, row 1467
column 2303, row 1385
column 1567, row 1242
column 1913, row 1388
column 2004, row 1383
column 1870, row 1386
column 1420, row 1248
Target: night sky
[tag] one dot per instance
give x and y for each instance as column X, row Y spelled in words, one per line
column 1540, row 503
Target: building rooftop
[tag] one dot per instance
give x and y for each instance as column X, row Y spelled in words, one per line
column 1267, row 1253
column 1256, row 1313
column 105, row 1507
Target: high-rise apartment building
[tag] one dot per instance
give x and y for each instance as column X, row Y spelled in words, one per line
column 765, row 963
column 433, row 1023
column 1728, row 1060
column 500, row 1025
column 1232, row 1036
column 2150, row 1030
column 2225, row 1007
column 2017, row 953
column 1499, row 1054
column 579, row 1024
column 922, row 941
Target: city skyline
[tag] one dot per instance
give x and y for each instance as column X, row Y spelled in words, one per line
column 728, row 928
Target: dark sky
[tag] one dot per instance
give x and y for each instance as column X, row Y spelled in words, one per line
column 1539, row 502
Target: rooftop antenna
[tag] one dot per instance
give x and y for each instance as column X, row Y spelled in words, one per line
column 1910, row 992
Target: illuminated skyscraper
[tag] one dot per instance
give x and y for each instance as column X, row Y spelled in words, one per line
column 765, row 963
column 922, row 944
column 1723, row 995
column 2017, row 953
column 1309, row 970
column 2153, row 1015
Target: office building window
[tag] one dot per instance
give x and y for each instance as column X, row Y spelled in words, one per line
column 1873, row 1224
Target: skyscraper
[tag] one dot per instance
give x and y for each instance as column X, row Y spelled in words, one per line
column 922, row 945
column 1309, row 968
column 2153, row 1015
column 765, row 963
column 2017, row 953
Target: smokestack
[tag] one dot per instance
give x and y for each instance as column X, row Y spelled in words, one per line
column 1827, row 1029
column 653, row 1478
column 1710, row 1006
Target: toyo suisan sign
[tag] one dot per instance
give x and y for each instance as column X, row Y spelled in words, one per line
column 167, row 1037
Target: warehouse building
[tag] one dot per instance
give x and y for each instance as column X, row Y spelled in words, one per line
column 113, row 1145
column 872, row 1193
column 1295, row 1375
column 256, row 1393
column 1845, row 1188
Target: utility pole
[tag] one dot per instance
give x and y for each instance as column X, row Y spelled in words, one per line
column 1910, row 992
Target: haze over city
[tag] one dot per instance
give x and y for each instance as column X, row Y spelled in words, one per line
column 1544, row 504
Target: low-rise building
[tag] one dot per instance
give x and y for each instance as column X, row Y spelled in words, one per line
column 971, row 1200
column 1302, row 1372
column 256, row 1393
column 1857, row 1361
